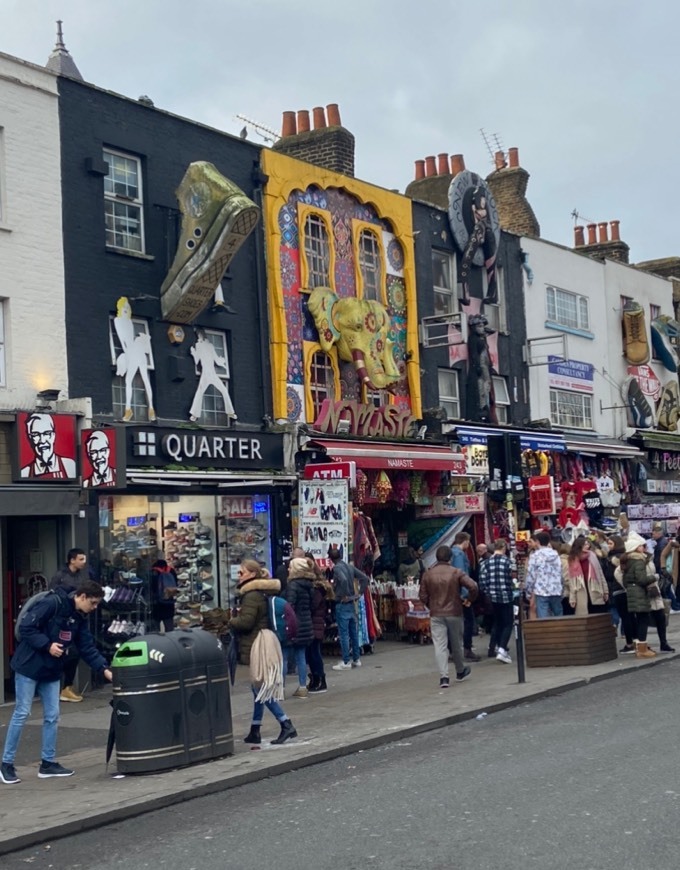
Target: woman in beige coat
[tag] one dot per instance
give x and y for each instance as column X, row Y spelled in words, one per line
column 588, row 590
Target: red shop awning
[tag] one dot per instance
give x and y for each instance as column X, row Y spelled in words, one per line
column 395, row 457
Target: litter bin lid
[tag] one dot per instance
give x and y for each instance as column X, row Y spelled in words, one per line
column 176, row 648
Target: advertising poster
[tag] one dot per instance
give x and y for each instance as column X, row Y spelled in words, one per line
column 323, row 518
column 46, row 447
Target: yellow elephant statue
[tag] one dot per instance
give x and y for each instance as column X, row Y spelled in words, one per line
column 360, row 329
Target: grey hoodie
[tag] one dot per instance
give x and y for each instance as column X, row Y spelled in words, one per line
column 544, row 573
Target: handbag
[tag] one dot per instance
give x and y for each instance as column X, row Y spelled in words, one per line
column 653, row 591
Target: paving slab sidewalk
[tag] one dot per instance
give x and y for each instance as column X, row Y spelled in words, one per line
column 394, row 696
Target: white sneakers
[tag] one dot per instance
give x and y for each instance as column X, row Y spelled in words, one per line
column 342, row 666
column 503, row 656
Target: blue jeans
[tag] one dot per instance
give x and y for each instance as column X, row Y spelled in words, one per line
column 346, row 618
column 548, row 605
column 273, row 706
column 26, row 690
column 299, row 654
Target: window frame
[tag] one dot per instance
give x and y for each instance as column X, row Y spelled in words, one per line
column 585, row 398
column 505, row 403
column 304, row 213
column 578, row 298
column 310, row 349
column 3, row 183
column 448, row 398
column 122, row 200
column 439, row 290
column 359, row 228
column 118, row 381
column 213, row 416
column 654, row 312
column 496, row 314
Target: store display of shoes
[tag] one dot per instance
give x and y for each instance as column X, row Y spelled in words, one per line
column 663, row 345
column 668, row 412
column 640, row 411
column 635, row 344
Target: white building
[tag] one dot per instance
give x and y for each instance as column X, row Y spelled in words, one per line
column 574, row 305
column 32, row 324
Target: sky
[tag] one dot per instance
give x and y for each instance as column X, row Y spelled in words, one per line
column 586, row 89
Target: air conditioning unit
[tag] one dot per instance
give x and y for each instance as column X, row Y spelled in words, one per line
column 443, row 330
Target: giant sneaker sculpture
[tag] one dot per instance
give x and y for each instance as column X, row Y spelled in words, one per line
column 217, row 217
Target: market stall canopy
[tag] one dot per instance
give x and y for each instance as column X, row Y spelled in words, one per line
column 399, row 457
column 599, row 447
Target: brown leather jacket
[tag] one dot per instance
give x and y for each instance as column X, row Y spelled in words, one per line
column 440, row 590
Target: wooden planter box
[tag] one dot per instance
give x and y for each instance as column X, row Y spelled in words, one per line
column 559, row 641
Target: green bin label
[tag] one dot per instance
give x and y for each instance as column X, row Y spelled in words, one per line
column 134, row 652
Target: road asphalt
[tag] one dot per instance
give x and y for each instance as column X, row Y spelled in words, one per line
column 394, row 695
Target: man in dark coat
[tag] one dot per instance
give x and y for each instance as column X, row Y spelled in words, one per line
column 69, row 578
column 49, row 629
column 298, row 593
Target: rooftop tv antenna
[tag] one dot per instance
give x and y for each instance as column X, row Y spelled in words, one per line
column 493, row 143
column 581, row 217
column 263, row 131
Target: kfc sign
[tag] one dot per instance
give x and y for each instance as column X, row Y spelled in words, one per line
column 46, row 447
column 101, row 465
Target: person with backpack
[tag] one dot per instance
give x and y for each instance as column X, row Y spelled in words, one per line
column 298, row 593
column 255, row 588
column 49, row 628
column 164, row 585
column 71, row 577
column 346, row 598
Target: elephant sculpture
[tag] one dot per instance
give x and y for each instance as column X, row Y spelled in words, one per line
column 359, row 328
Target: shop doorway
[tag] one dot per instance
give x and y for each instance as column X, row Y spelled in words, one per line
column 35, row 549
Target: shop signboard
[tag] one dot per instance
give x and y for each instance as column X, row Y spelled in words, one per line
column 331, row 471
column 476, row 459
column 323, row 519
column 541, row 495
column 570, row 374
column 45, row 448
column 102, row 458
column 368, row 421
column 215, row 449
column 648, row 380
column 450, row 505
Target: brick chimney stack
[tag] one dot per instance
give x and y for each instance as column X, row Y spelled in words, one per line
column 508, row 183
column 607, row 247
column 328, row 145
column 432, row 178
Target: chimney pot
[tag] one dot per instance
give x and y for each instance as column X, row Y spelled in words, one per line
column 457, row 164
column 603, row 232
column 499, row 160
column 443, row 164
column 430, row 166
column 420, row 169
column 579, row 238
column 303, row 121
column 333, row 113
column 592, row 237
column 288, row 125
column 513, row 158
column 615, row 234
column 319, row 117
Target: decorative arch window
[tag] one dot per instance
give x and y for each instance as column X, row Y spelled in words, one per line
column 369, row 261
column 322, row 378
column 317, row 264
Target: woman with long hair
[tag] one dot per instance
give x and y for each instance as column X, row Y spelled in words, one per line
column 254, row 588
column 588, row 590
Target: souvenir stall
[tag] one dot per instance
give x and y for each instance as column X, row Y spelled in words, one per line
column 407, row 499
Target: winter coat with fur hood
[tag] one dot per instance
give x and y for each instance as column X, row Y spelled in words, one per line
column 253, row 614
column 322, row 595
column 299, row 593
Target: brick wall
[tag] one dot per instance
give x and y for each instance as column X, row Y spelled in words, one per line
column 331, row 148
column 509, row 188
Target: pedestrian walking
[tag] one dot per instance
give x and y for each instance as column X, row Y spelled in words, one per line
column 346, row 597
column 461, row 561
column 544, row 578
column 298, row 593
column 636, row 579
column 588, row 590
column 49, row 629
column 70, row 578
column 322, row 595
column 619, row 597
column 254, row 587
column 164, row 587
column 440, row 591
column 495, row 581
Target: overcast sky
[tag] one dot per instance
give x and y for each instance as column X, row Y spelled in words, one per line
column 587, row 89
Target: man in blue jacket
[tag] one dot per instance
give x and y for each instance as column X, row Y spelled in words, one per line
column 52, row 625
column 460, row 560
